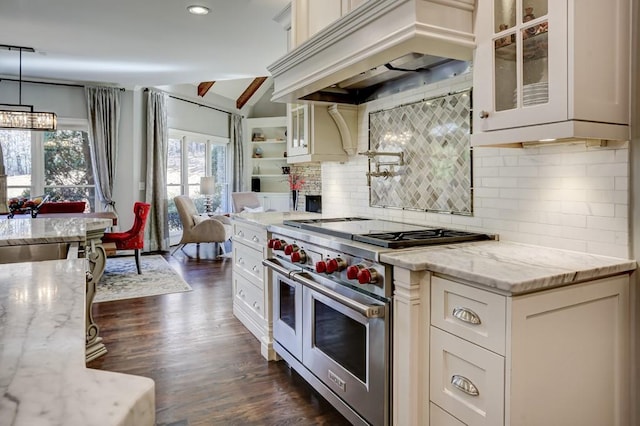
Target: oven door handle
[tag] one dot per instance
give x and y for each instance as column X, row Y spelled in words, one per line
column 369, row 311
column 273, row 264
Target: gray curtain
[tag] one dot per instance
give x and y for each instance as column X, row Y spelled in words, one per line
column 157, row 229
column 103, row 110
column 238, row 153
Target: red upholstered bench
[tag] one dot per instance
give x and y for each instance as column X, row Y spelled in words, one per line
column 63, row 207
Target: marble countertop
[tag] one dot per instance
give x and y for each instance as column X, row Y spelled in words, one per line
column 43, row 377
column 265, row 219
column 509, row 267
column 43, row 231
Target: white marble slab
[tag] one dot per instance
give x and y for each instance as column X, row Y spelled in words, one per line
column 41, row 231
column 510, row 267
column 265, row 219
column 43, row 377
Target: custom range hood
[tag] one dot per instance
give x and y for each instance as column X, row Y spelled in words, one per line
column 381, row 42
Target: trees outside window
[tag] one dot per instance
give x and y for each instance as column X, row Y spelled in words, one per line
column 54, row 163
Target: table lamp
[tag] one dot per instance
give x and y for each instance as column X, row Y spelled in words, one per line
column 207, row 188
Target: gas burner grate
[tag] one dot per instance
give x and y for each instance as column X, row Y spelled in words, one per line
column 419, row 238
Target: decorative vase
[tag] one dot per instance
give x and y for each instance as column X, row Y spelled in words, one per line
column 294, row 198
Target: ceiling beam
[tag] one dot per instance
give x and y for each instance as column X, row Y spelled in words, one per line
column 204, row 87
column 249, row 91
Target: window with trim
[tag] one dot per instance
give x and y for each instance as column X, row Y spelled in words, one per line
column 55, row 163
column 191, row 156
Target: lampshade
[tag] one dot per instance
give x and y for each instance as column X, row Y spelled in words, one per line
column 207, row 185
column 19, row 116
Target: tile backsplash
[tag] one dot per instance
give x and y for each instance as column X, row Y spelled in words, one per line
column 566, row 196
column 434, row 137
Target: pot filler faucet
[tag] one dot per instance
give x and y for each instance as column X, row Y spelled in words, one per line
column 386, row 173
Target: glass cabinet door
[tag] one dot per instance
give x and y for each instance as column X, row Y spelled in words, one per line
column 521, row 52
column 297, row 141
column 521, row 63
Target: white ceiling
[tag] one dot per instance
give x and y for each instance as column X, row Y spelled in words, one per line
column 140, row 43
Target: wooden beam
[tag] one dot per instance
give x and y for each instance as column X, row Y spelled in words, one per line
column 249, row 91
column 204, row 87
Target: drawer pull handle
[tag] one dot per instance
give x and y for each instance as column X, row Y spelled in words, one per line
column 255, row 305
column 255, row 268
column 240, row 234
column 240, row 261
column 255, row 239
column 466, row 315
column 465, row 385
column 241, row 293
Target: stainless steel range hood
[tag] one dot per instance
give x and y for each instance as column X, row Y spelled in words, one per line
column 382, row 42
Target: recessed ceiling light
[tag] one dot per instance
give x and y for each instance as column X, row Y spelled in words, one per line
column 198, row 10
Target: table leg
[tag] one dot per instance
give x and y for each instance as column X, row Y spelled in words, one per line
column 97, row 261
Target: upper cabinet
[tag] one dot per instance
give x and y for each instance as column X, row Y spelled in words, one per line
column 311, row 16
column 321, row 132
column 551, row 69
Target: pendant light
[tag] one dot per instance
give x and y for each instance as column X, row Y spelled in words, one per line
column 22, row 117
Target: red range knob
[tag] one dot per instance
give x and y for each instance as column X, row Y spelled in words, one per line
column 321, row 266
column 337, row 264
column 290, row 248
column 278, row 244
column 352, row 271
column 299, row 256
column 367, row 276
column 271, row 242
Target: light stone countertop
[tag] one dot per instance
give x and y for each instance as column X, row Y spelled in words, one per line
column 265, row 219
column 15, row 232
column 43, row 377
column 509, row 267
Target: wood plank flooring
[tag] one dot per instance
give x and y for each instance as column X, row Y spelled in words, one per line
column 207, row 367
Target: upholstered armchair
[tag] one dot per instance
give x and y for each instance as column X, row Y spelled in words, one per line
column 133, row 239
column 201, row 229
column 245, row 201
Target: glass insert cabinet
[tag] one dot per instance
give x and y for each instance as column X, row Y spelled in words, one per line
column 558, row 68
column 521, row 63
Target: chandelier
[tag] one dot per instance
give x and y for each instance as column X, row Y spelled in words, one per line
column 19, row 116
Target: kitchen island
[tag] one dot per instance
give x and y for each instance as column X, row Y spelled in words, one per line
column 501, row 333
column 43, row 377
column 21, row 239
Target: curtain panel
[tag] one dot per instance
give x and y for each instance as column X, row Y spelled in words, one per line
column 235, row 131
column 157, row 231
column 103, row 110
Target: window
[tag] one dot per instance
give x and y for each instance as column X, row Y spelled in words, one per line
column 191, row 156
column 54, row 163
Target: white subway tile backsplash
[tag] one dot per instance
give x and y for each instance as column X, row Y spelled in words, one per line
column 613, row 169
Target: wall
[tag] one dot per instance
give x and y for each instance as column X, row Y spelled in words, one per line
column 566, row 196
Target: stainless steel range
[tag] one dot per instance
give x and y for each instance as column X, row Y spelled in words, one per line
column 332, row 305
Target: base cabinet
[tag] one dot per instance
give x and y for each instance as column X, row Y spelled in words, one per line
column 554, row 357
column 252, row 284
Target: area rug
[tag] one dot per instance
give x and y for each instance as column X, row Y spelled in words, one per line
column 121, row 280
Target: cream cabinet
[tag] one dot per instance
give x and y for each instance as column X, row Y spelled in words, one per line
column 311, row 16
column 548, row 69
column 464, row 355
column 252, row 283
column 321, row 132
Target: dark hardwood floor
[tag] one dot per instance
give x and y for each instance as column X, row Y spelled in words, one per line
column 206, row 365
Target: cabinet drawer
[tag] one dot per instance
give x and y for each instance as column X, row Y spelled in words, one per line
column 249, row 295
column 253, row 236
column 249, row 262
column 439, row 417
column 466, row 380
column 473, row 314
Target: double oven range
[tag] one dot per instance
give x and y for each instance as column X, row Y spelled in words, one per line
column 332, row 305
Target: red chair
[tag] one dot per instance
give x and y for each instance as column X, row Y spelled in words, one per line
column 132, row 239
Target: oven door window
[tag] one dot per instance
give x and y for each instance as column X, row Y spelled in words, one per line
column 341, row 338
column 287, row 296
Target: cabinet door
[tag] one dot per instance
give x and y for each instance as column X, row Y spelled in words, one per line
column 297, row 141
column 520, row 75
